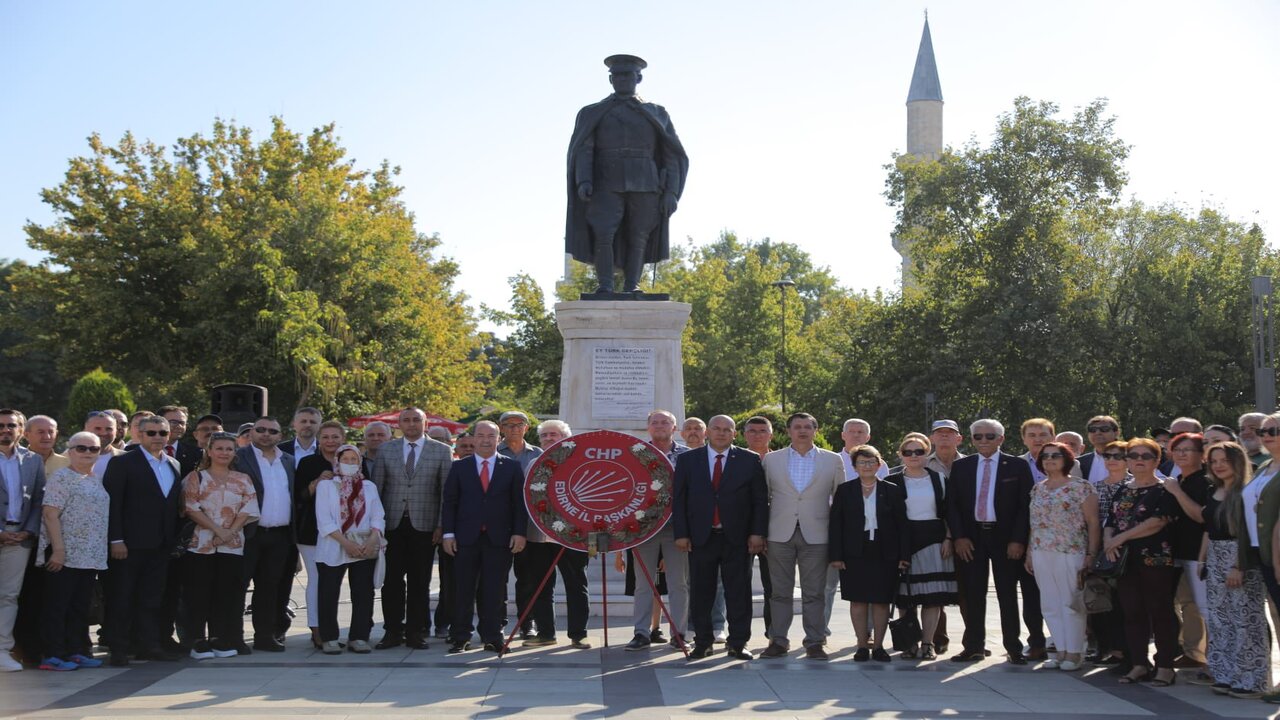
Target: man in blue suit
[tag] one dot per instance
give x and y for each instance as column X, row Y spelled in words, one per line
column 146, row 498
column 484, row 522
column 720, row 514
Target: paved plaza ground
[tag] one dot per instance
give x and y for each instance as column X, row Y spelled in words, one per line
column 601, row 683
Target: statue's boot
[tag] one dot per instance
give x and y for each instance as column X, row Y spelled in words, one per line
column 604, row 267
column 635, row 266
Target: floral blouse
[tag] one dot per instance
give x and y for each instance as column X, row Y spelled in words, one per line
column 85, row 507
column 1058, row 519
column 220, row 500
column 1130, row 507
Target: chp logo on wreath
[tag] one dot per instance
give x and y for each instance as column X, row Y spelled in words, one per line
column 600, row 481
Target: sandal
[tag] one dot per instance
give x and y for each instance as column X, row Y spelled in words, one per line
column 1158, row 681
column 911, row 651
column 1131, row 678
column 928, row 653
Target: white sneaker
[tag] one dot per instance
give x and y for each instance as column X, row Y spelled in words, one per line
column 8, row 664
column 1069, row 666
column 1051, row 664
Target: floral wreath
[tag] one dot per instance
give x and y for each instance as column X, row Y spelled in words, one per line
column 642, row 523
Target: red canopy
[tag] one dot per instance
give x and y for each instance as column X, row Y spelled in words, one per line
column 392, row 418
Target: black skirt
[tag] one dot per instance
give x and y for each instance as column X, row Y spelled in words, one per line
column 869, row 578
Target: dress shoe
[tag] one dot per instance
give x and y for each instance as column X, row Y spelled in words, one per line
column 879, row 655
column 460, row 646
column 701, row 651
column 416, row 642
column 1037, row 654
column 740, row 653
column 656, row 637
column 1017, row 658
column 118, row 659
column 242, row 648
column 862, row 654
column 639, row 642
column 775, row 650
column 158, row 654
column 580, row 644
column 969, row 656
column 389, row 641
column 268, row 645
column 815, row 652
column 493, row 647
column 279, row 638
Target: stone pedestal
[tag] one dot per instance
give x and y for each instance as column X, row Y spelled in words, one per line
column 621, row 361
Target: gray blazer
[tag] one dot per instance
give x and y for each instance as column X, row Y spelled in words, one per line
column 247, row 463
column 31, row 475
column 423, row 492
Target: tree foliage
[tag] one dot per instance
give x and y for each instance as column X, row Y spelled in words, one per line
column 275, row 262
column 96, row 390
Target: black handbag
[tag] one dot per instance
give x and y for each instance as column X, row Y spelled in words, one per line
column 905, row 630
column 1104, row 567
column 182, row 543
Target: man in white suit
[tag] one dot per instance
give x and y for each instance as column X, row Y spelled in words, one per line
column 802, row 480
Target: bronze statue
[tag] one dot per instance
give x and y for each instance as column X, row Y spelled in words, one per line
column 626, row 173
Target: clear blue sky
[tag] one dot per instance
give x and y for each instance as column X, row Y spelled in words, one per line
column 788, row 110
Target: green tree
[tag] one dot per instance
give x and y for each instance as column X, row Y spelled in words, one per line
column 534, row 351
column 275, row 262
column 31, row 381
column 96, row 390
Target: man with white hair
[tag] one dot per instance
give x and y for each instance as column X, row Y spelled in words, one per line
column 989, row 517
column 41, row 435
column 1249, row 424
column 1072, row 440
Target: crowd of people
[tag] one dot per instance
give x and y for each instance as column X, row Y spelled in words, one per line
column 1110, row 543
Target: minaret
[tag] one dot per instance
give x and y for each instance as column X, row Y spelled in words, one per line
column 924, row 121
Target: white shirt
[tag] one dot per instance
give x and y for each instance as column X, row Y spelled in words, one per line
column 417, row 451
column 921, row 505
column 869, row 523
column 1250, row 495
column 12, row 471
column 711, row 460
column 850, row 473
column 800, row 467
column 480, row 464
column 994, row 461
column 100, row 465
column 1097, row 470
column 300, row 452
column 329, row 518
column 273, row 506
column 163, row 471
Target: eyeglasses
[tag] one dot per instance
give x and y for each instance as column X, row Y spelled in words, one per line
column 156, row 433
column 85, row 448
column 985, row 436
column 1113, row 456
column 1051, row 455
column 1102, row 428
column 267, row 430
column 868, row 462
column 1270, row 431
column 1141, row 456
column 912, row 453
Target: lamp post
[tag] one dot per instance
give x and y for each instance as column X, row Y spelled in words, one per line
column 782, row 286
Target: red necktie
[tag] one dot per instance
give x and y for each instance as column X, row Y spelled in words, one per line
column 484, row 475
column 168, row 450
column 715, row 485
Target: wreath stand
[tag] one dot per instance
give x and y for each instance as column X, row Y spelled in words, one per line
column 604, row 586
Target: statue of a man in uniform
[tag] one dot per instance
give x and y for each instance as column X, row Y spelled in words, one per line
column 626, row 173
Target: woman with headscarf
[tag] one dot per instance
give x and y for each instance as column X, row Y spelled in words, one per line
column 350, row 523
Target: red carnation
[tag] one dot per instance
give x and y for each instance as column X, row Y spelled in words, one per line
column 542, row 506
column 550, row 465
column 600, row 525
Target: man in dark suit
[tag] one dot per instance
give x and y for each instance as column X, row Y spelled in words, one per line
column 146, row 498
column 187, row 455
column 1101, row 429
column 484, row 522
column 720, row 512
column 989, row 518
column 270, row 555
column 306, row 422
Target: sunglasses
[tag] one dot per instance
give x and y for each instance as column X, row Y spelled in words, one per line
column 156, row 433
column 1113, row 456
column 267, row 430
column 1269, row 431
column 85, row 448
column 1141, row 456
column 1051, row 455
column 985, row 436
column 1102, row 428
column 912, row 453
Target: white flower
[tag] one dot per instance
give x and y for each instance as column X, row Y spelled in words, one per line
column 639, row 514
column 638, row 447
column 558, row 526
column 568, row 444
column 538, row 487
column 656, row 484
